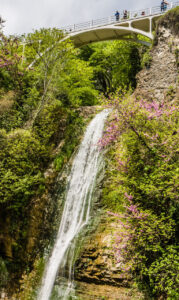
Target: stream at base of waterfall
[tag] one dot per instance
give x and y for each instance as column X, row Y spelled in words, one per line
column 76, row 213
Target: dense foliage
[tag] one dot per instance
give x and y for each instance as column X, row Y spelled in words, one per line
column 39, row 100
column 142, row 187
column 115, row 64
column 43, row 82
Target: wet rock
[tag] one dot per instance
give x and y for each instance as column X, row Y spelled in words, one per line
column 97, row 263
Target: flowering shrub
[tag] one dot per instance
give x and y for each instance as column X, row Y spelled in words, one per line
column 164, row 275
column 143, row 237
column 12, row 70
column 144, row 136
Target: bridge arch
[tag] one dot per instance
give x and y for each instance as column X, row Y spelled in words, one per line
column 109, row 32
column 124, row 30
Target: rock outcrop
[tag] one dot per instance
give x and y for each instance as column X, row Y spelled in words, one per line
column 97, row 273
column 160, row 79
column 97, row 263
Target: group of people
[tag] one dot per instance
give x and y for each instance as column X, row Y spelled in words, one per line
column 117, row 15
column 164, row 4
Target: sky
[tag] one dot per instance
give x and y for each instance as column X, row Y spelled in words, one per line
column 23, row 16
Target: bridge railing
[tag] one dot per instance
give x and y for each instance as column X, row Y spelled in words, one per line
column 139, row 13
column 131, row 15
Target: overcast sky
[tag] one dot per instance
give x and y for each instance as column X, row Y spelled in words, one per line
column 24, row 16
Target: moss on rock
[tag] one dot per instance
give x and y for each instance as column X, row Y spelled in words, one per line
column 171, row 20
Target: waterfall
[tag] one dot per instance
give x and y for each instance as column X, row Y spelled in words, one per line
column 77, row 206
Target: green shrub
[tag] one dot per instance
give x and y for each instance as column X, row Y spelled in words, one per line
column 50, row 123
column 86, row 96
column 146, row 60
column 21, row 160
column 164, row 274
column 3, row 273
column 73, row 133
column 143, row 177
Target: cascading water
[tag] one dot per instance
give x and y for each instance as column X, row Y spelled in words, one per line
column 77, row 206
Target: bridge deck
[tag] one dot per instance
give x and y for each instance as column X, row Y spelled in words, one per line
column 137, row 22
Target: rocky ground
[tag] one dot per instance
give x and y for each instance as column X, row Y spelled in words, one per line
column 86, row 291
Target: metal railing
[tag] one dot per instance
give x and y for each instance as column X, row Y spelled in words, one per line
column 131, row 15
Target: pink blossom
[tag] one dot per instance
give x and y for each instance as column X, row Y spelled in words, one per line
column 129, row 197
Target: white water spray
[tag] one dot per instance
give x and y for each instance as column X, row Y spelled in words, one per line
column 76, row 212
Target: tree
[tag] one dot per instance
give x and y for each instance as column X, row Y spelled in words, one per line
column 2, row 21
column 115, row 64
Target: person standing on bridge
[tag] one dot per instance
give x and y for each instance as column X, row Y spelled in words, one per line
column 165, row 5
column 117, row 15
column 162, row 6
column 125, row 14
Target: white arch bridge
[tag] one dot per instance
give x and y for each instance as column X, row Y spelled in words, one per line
column 136, row 23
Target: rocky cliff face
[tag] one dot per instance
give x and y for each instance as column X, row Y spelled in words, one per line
column 160, row 79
